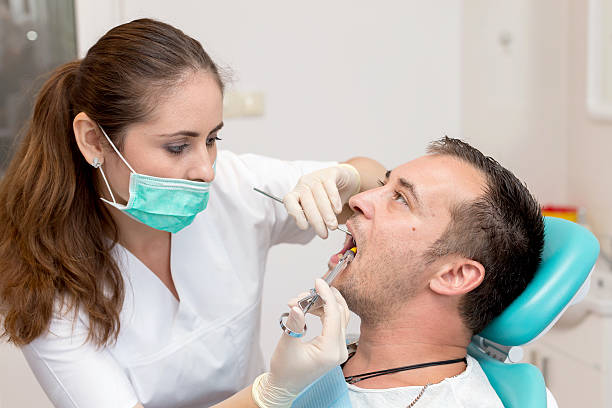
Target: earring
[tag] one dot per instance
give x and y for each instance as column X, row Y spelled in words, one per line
column 96, row 163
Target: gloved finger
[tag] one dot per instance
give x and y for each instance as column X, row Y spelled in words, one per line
column 343, row 306
column 318, row 311
column 345, row 315
column 312, row 214
column 334, row 195
column 292, row 204
column 331, row 318
column 324, row 205
column 296, row 320
column 294, row 301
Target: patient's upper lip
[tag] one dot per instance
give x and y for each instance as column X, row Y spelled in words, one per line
column 349, row 228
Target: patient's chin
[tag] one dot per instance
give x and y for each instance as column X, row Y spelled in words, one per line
column 343, row 287
column 372, row 300
column 352, row 292
column 368, row 309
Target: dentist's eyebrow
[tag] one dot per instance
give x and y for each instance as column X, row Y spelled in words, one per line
column 216, row 129
column 191, row 133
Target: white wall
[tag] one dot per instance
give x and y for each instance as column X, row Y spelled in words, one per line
column 590, row 141
column 514, row 97
column 340, row 78
column 526, row 104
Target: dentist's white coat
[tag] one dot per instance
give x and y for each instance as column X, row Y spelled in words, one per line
column 198, row 351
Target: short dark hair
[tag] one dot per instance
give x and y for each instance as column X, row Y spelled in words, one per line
column 503, row 229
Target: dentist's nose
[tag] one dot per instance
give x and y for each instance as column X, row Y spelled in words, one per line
column 202, row 170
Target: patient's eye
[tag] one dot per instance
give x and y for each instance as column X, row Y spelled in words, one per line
column 399, row 197
column 381, row 183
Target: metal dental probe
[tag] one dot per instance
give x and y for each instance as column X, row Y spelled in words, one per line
column 343, row 229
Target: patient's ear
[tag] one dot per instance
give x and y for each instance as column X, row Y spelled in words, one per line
column 458, row 277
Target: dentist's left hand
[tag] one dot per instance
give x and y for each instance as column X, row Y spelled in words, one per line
column 295, row 364
column 319, row 196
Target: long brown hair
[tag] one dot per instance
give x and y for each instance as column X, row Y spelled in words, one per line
column 56, row 236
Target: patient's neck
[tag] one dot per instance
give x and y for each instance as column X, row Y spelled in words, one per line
column 412, row 339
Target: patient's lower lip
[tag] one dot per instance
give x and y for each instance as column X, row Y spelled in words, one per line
column 334, row 259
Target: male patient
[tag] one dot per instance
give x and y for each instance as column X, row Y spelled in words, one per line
column 446, row 243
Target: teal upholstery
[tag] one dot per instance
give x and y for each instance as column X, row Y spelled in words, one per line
column 516, row 385
column 570, row 251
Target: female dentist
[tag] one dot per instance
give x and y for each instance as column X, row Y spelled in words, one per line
column 118, row 292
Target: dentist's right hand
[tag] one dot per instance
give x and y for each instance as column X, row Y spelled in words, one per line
column 295, row 364
column 319, row 197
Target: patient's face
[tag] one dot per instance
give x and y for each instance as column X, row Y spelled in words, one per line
column 394, row 225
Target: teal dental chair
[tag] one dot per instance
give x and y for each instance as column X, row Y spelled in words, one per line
column 570, row 251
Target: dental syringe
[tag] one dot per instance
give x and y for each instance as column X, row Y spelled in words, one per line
column 313, row 301
column 310, row 301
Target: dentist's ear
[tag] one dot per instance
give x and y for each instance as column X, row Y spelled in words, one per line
column 88, row 137
column 458, row 277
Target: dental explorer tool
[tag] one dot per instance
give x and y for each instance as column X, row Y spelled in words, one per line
column 343, row 229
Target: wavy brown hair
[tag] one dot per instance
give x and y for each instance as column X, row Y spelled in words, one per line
column 57, row 237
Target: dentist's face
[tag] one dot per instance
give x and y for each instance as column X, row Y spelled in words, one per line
column 394, row 226
column 177, row 141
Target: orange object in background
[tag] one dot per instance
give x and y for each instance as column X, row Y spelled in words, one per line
column 567, row 213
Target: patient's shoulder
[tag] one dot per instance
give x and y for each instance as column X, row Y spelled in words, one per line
column 472, row 388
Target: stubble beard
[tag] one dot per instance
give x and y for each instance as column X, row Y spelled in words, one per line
column 376, row 292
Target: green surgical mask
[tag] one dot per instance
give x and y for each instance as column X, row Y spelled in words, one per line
column 162, row 203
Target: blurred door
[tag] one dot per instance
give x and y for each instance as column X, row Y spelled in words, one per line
column 35, row 37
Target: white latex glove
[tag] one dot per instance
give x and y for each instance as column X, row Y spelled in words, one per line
column 295, row 364
column 320, row 195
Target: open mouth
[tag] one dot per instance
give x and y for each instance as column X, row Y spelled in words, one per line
column 349, row 243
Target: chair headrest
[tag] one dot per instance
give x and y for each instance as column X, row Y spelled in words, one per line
column 570, row 251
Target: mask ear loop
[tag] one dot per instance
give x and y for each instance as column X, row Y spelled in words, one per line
column 116, row 150
column 97, row 165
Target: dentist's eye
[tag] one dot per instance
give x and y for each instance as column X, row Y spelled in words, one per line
column 178, row 149
column 211, row 141
column 398, row 197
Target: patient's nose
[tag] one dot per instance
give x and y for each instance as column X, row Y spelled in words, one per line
column 362, row 203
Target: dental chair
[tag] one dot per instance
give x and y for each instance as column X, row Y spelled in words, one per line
column 570, row 251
